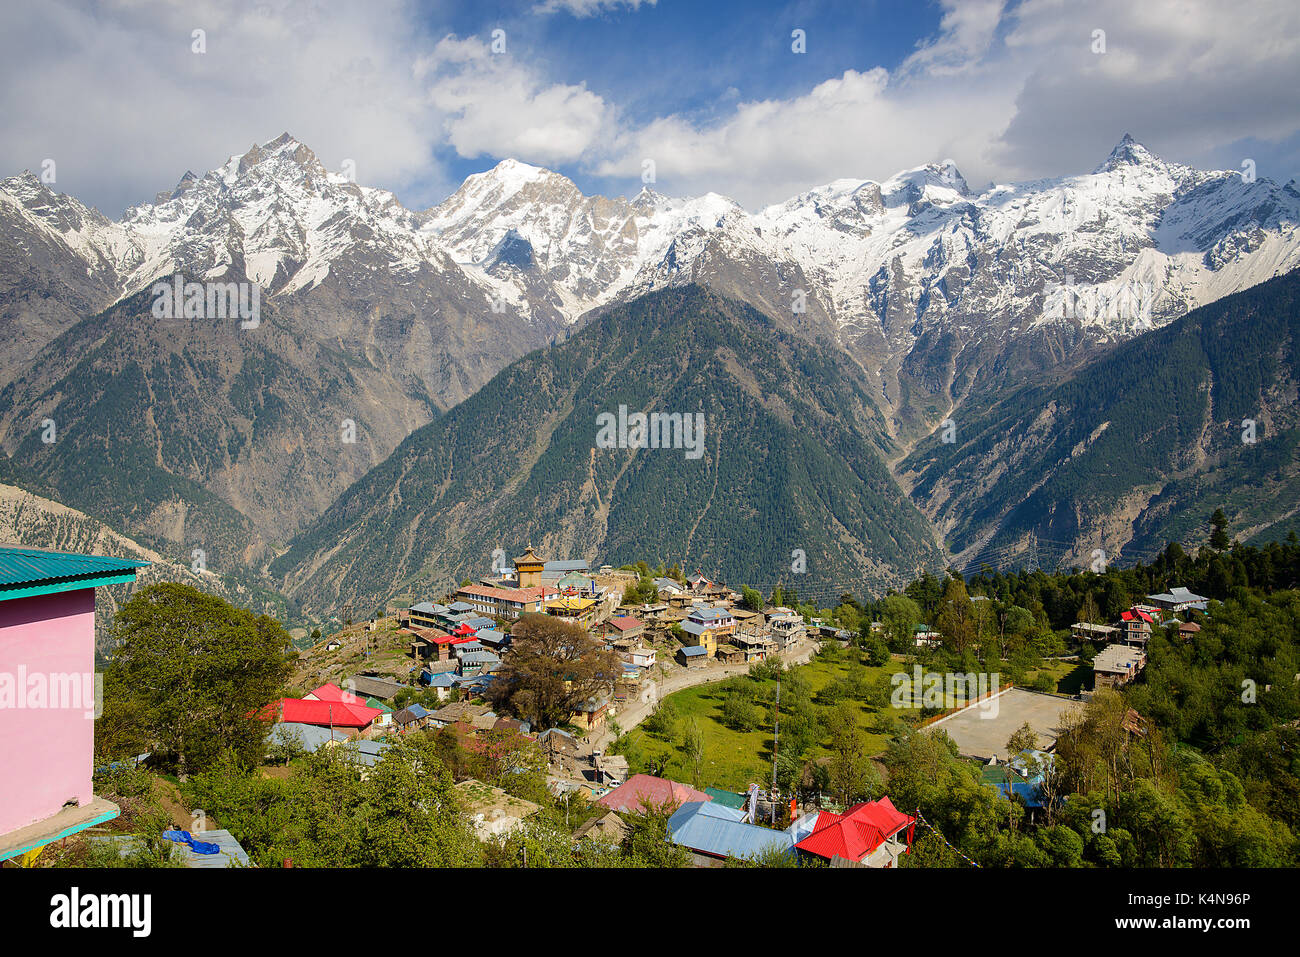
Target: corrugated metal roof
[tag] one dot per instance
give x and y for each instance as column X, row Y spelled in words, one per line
column 309, row 736
column 567, row 565
column 714, row 829
column 857, row 832
column 726, row 798
column 709, row 614
column 658, row 791
column 30, row 567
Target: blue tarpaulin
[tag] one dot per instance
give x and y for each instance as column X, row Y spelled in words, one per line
column 185, row 837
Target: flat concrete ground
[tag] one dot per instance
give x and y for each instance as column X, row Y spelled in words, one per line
column 979, row 735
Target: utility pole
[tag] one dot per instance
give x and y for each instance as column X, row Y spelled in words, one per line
column 776, row 737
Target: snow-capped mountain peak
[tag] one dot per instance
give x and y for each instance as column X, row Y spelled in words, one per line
column 895, row 260
column 1127, row 152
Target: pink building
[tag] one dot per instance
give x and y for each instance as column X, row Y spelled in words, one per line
column 47, row 694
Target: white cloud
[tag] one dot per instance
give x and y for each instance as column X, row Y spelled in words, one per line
column 965, row 34
column 589, row 8
column 497, row 106
column 1008, row 94
column 1184, row 78
column 116, row 96
column 855, row 125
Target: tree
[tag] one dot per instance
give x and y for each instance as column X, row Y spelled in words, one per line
column 409, row 815
column 1088, row 610
column 752, row 599
column 663, row 719
column 955, row 616
column 647, row 843
column 853, row 777
column 194, row 671
column 1024, row 738
column 1219, row 540
column 693, row 748
column 875, row 651
column 405, row 813
column 553, row 667
column 900, row 616
column 740, row 713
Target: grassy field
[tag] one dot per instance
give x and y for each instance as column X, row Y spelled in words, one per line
column 733, row 759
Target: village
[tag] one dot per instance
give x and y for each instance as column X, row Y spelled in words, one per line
column 430, row 667
column 695, row 631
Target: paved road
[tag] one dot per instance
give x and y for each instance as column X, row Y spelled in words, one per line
column 631, row 715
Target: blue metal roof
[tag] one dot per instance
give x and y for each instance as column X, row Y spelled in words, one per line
column 1031, row 794
column 308, row 735
column 567, row 565
column 710, row 614
column 694, row 651
column 30, row 571
column 715, row 829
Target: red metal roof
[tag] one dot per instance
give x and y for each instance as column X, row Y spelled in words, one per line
column 339, row 714
column 452, row 639
column 857, row 832
column 332, row 692
column 625, row 622
column 642, row 788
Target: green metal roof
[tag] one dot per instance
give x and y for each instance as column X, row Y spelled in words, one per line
column 30, row 571
column 726, row 798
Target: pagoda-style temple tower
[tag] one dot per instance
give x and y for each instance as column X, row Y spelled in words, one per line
column 528, row 568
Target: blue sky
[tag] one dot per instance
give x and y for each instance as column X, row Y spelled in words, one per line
column 414, row 95
column 695, row 60
column 700, row 58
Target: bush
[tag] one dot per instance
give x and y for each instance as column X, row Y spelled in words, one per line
column 740, row 713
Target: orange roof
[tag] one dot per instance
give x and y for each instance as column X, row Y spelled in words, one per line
column 529, row 558
column 428, row 634
column 520, row 595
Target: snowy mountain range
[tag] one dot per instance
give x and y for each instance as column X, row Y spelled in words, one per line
column 889, row 269
column 386, row 317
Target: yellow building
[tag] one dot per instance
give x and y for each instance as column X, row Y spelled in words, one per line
column 571, row 608
column 528, row 569
column 704, row 626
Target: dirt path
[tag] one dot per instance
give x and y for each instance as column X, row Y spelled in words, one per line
column 169, row 796
column 634, row 714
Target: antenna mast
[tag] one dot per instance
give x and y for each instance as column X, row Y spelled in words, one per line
column 776, row 737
